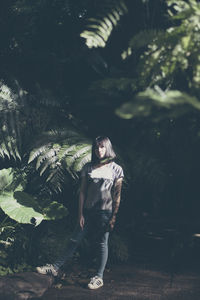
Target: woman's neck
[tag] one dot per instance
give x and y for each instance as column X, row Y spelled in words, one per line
column 102, row 162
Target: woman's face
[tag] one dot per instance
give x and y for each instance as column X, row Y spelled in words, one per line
column 100, row 151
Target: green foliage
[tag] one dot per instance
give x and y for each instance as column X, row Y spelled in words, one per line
column 174, row 51
column 19, row 118
column 6, row 180
column 15, row 247
column 99, row 29
column 54, row 210
column 40, row 128
column 141, row 40
column 5, row 271
column 152, row 101
column 7, row 229
column 165, row 68
column 114, row 88
column 26, row 194
column 7, row 233
column 24, row 208
column 20, row 213
column 10, row 139
column 58, row 151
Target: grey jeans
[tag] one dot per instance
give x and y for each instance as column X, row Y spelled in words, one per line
column 95, row 227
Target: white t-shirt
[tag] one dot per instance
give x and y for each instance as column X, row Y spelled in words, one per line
column 100, row 182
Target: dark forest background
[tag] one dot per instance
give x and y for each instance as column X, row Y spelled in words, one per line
column 75, row 69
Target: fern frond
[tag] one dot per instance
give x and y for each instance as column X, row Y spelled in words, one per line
column 15, row 132
column 54, row 172
column 50, row 162
column 65, row 149
column 56, row 179
column 74, row 155
column 9, row 122
column 4, row 151
column 36, row 152
column 55, row 154
column 9, row 136
column 81, row 161
column 99, row 29
column 6, row 144
column 47, row 155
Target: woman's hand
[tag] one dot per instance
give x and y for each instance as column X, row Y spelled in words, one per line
column 81, row 221
column 112, row 223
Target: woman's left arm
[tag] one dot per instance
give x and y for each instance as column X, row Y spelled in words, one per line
column 116, row 201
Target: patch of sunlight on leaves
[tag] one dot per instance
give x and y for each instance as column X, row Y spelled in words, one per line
column 6, row 178
column 55, row 211
column 99, row 30
column 24, row 208
column 7, row 182
column 185, row 41
column 126, row 53
column 19, row 212
column 142, row 39
column 5, row 92
column 5, row 271
column 144, row 102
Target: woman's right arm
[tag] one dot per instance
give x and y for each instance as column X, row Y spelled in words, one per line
column 81, row 201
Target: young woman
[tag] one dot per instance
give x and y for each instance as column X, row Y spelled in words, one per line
column 99, row 201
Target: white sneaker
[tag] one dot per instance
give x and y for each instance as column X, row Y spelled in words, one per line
column 47, row 270
column 95, row 283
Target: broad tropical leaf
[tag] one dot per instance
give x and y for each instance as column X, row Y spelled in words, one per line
column 144, row 104
column 19, row 212
column 23, row 208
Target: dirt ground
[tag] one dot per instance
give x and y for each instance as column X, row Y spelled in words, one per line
column 161, row 269
column 127, row 281
column 138, row 282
